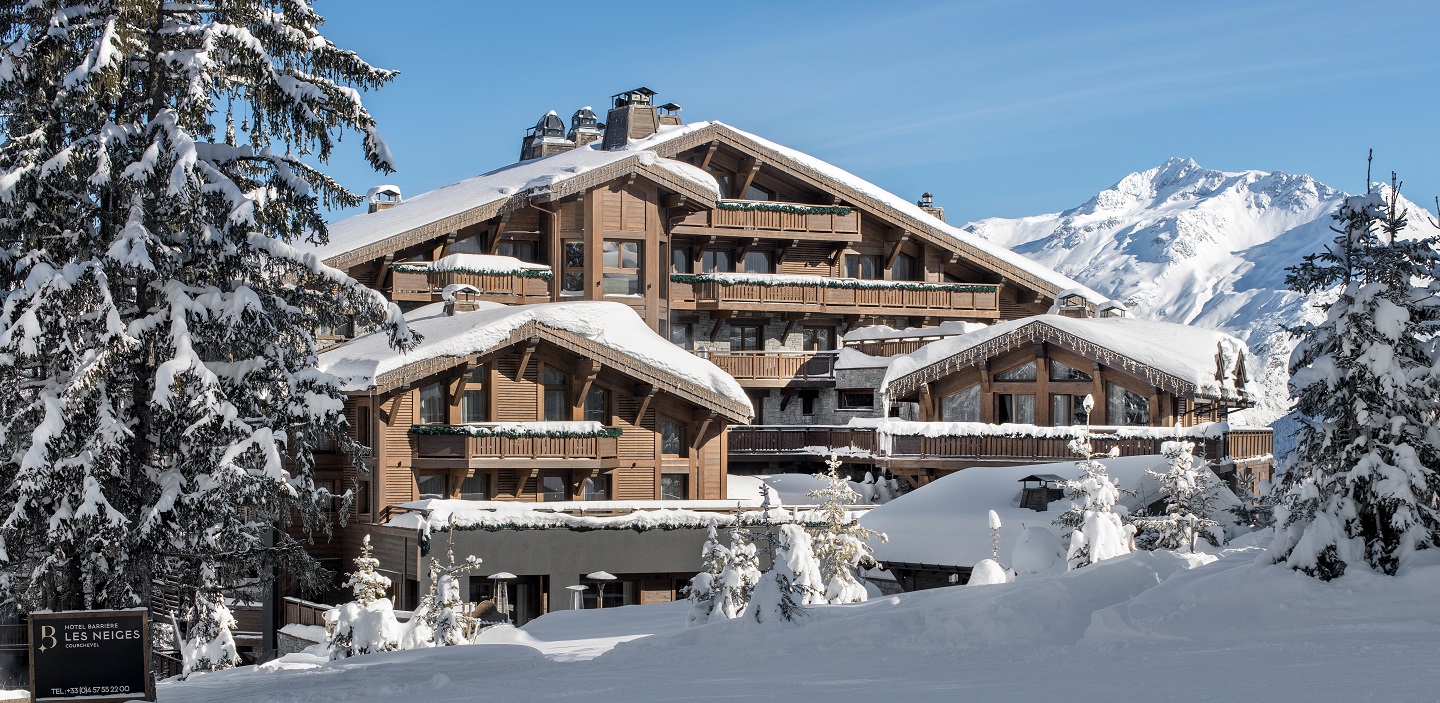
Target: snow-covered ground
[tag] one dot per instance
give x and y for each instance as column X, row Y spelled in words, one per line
column 1146, row 626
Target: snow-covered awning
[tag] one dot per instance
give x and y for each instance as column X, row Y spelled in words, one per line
column 479, row 264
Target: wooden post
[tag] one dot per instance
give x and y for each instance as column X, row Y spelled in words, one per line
column 1099, row 412
column 1042, row 387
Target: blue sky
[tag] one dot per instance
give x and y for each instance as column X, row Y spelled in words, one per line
column 998, row 108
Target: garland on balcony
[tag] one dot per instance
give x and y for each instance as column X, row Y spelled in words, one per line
column 512, row 432
column 542, row 274
column 792, row 208
column 777, row 280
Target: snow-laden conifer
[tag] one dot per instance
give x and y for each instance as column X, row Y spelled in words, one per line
column 713, row 557
column 209, row 643
column 158, row 394
column 367, row 623
column 1360, row 486
column 1096, row 531
column 840, row 543
column 1189, row 500
column 444, row 608
column 738, row 576
column 792, row 582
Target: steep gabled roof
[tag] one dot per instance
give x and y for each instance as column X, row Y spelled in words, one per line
column 1181, row 359
column 672, row 140
column 610, row 333
column 369, row 236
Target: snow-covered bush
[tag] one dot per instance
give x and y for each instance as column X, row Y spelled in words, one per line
column 840, row 543
column 1096, row 531
column 738, row 577
column 1038, row 551
column 1189, row 499
column 792, row 582
column 713, row 557
column 987, row 572
column 443, row 607
column 367, row 623
column 209, row 645
column 1360, row 485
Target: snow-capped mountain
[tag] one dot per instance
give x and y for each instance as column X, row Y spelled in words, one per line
column 1188, row 244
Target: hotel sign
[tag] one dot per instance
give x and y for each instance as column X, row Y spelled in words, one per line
column 91, row 655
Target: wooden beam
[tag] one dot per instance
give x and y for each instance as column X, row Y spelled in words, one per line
column 646, row 392
column 382, row 277
column 499, row 232
column 673, row 201
column 835, row 251
column 523, row 475
column 446, row 245
column 895, row 249
column 782, row 251
column 585, row 370
column 530, row 347
column 709, row 154
column 927, row 404
column 749, row 166
column 704, row 426
column 387, row 409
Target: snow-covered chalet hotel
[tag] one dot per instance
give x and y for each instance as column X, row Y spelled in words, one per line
column 807, row 311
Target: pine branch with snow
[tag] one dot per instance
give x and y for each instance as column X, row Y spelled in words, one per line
column 1189, row 501
column 367, row 623
column 738, row 576
column 792, row 582
column 1096, row 531
column 444, row 607
column 1360, row 487
column 703, row 586
column 840, row 543
column 209, row 644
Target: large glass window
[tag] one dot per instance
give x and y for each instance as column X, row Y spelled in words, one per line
column 1062, row 372
column 557, row 395
column 746, row 338
column 597, row 406
column 758, row 193
column 521, row 249
column 573, row 276
column 622, row 267
column 682, row 334
column 1126, row 407
column 472, row 406
column 596, row 488
column 856, row 400
column 1023, row 372
column 1066, row 410
column 674, row 486
column 432, row 486
column 432, row 405
column 904, row 268
column 672, row 438
column 475, row 488
column 862, row 266
column 1015, row 407
column 817, row 338
column 717, row 261
column 759, row 261
column 961, row 406
column 680, row 261
column 552, row 487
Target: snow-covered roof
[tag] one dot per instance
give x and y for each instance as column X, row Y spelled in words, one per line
column 946, row 522
column 1183, row 356
column 477, row 199
column 671, row 139
column 365, row 361
column 474, row 263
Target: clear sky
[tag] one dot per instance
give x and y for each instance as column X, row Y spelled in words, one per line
column 999, row 108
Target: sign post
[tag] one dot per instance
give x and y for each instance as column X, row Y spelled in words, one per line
column 91, row 655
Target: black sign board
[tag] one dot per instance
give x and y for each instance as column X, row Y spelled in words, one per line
column 91, row 655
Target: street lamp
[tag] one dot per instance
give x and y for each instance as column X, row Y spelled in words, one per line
column 577, row 596
column 602, row 577
column 501, row 593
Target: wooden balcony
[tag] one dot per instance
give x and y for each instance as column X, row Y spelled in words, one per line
column 804, row 294
column 830, row 227
column 894, row 346
column 510, row 289
column 775, row 368
column 777, row 441
column 462, row 451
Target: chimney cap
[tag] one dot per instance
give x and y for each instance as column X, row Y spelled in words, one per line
column 638, row 96
column 584, row 118
column 927, row 200
column 670, row 107
column 549, row 125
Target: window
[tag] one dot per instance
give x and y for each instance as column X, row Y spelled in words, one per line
column 622, row 268
column 472, row 406
column 759, row 261
column 475, row 487
column 1023, row 372
column 817, row 338
column 432, row 486
column 557, row 392
column 362, row 498
column 1066, row 410
column 904, row 268
column 746, row 338
column 552, row 487
column 807, row 401
column 680, row 260
column 573, row 279
column 674, row 486
column 521, row 249
column 860, row 266
column 961, row 406
column 723, row 179
column 672, row 438
column 717, row 261
column 756, row 193
column 1126, row 407
column 597, row 405
column 1015, row 407
column 362, row 425
column 432, row 405
column 1062, row 372
column 682, row 334
column 596, row 488
column 857, row 400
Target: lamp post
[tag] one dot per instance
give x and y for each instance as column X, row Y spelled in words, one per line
column 501, row 593
column 577, row 597
column 602, row 577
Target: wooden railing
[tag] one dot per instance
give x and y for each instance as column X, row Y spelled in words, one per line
column 496, row 447
column 893, row 346
column 814, row 296
column 775, row 365
column 500, row 288
column 303, row 612
column 779, row 221
column 785, row 439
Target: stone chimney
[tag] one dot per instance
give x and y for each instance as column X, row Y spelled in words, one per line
column 927, row 203
column 631, row 117
column 382, row 197
column 585, row 127
column 547, row 137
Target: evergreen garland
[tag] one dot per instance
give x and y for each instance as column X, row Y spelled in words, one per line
column 511, row 433
column 542, row 274
column 844, row 283
column 792, row 208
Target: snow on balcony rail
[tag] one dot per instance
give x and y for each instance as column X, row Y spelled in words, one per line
column 791, row 208
column 913, row 428
column 478, row 264
column 787, row 279
column 514, row 430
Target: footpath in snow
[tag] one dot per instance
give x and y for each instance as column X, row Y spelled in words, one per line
column 1146, row 626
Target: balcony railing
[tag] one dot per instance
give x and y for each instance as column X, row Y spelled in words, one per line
column 790, row 218
column 778, row 292
column 775, row 365
column 469, row 448
column 893, row 346
column 493, row 287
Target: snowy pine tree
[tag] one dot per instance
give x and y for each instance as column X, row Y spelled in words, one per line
column 443, row 606
column 367, row 623
column 158, row 396
column 713, row 557
column 1360, row 486
column 209, row 643
column 1188, row 493
column 738, row 576
column 791, row 583
column 1096, row 531
column 841, row 545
